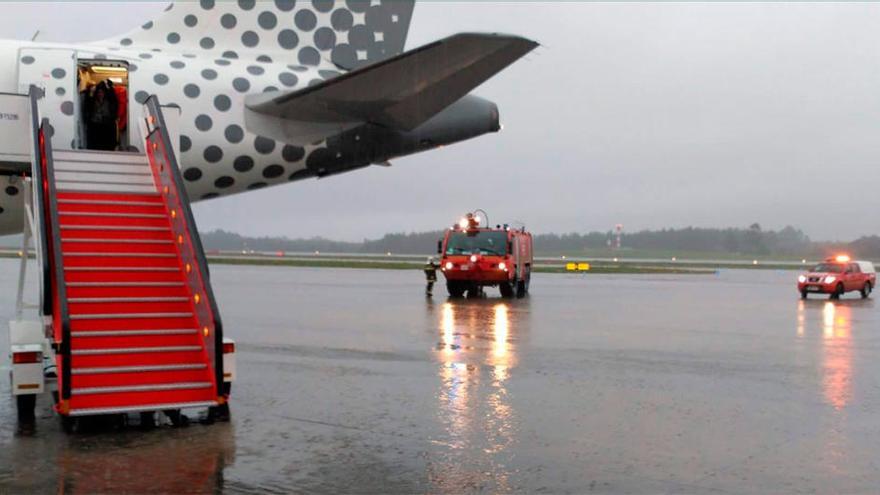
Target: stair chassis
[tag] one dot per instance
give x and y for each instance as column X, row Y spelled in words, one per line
column 61, row 257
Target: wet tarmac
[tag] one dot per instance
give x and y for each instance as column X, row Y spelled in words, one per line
column 351, row 381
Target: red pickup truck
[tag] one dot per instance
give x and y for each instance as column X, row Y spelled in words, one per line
column 837, row 276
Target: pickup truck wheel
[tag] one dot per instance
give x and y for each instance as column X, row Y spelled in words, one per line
column 26, row 405
column 866, row 290
column 803, row 294
column 838, row 291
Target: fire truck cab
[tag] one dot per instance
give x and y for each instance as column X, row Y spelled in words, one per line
column 473, row 257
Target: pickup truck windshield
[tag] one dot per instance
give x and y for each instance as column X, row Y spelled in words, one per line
column 828, row 268
column 491, row 243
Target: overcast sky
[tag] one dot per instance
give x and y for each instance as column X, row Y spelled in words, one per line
column 647, row 114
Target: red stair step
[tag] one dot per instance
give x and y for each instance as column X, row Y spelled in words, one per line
column 190, row 354
column 139, row 377
column 129, row 399
column 133, row 341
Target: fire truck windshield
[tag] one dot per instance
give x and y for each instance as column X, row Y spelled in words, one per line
column 491, row 243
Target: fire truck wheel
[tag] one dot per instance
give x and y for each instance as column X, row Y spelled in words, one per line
column 454, row 289
column 521, row 289
column 522, row 286
column 26, row 405
column 866, row 290
column 837, row 292
column 506, row 289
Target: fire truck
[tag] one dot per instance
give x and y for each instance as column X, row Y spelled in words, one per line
column 474, row 256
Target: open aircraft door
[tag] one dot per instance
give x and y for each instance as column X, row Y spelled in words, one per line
column 53, row 71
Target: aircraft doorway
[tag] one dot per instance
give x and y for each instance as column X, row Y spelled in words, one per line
column 103, row 105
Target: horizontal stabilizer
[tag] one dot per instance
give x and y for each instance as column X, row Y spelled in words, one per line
column 401, row 92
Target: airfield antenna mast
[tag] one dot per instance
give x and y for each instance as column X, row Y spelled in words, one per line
column 619, row 231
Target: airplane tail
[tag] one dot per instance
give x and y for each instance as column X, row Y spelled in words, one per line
column 337, row 34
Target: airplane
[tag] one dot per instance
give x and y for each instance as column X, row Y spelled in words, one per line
column 262, row 93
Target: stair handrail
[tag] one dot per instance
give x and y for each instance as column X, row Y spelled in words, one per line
column 60, row 310
column 156, row 128
column 39, row 203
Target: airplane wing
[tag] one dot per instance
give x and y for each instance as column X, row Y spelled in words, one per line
column 401, row 92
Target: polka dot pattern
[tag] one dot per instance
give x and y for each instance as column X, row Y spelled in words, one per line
column 232, row 47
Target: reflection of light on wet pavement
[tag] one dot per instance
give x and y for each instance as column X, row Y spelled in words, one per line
column 448, row 328
column 501, row 329
column 476, row 415
column 455, row 381
column 828, row 319
column 800, row 318
column 837, row 355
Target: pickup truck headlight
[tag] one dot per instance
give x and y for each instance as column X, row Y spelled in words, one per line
column 802, row 279
column 829, row 279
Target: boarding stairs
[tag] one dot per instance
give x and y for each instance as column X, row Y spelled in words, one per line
column 126, row 294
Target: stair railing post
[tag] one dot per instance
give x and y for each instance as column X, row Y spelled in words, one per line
column 25, row 247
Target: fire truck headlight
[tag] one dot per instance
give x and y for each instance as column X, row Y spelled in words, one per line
column 802, row 279
column 502, row 266
column 473, row 258
column 449, row 265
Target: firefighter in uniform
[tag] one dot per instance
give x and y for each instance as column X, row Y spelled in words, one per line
column 430, row 275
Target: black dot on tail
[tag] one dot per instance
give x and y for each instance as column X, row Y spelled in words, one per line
column 241, row 84
column 222, row 103
column 204, row 123
column 292, row 153
column 243, row 164
column 264, row 145
column 228, row 21
column 213, row 154
column 191, row 90
column 234, row 134
column 224, row 182
column 192, row 174
column 273, row 171
column 267, row 20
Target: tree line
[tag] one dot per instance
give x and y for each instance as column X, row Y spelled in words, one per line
column 752, row 240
